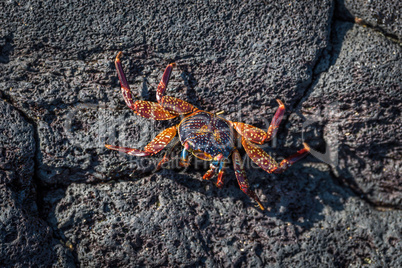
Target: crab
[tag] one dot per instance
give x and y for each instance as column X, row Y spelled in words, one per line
column 205, row 135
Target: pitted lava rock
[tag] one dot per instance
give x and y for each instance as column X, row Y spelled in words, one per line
column 67, row 201
column 383, row 15
column 26, row 240
column 363, row 87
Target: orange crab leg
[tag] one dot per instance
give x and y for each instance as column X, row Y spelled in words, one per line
column 145, row 109
column 218, row 164
column 212, row 171
column 160, row 92
column 241, row 177
column 267, row 163
column 171, row 104
column 257, row 135
column 176, row 106
column 152, row 110
column 166, row 157
column 126, row 150
column 155, row 146
column 219, row 181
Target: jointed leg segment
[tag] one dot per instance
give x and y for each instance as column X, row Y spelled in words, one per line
column 125, row 88
column 216, row 166
column 267, row 163
column 155, row 146
column 241, row 177
column 160, row 92
column 257, row 135
column 166, row 108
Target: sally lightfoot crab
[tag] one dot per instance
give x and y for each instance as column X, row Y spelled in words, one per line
column 205, row 135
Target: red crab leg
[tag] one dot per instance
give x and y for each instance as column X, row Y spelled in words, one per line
column 176, row 106
column 257, row 135
column 172, row 104
column 145, row 109
column 241, row 178
column 155, row 146
column 213, row 168
column 125, row 88
column 166, row 157
column 210, row 173
column 152, row 110
column 267, row 163
column 160, row 92
column 219, row 181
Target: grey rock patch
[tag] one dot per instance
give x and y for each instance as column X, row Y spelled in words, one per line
column 26, row 240
column 360, row 96
column 385, row 15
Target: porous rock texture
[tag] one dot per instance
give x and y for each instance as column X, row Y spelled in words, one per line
column 26, row 240
column 385, row 16
column 363, row 89
column 67, row 201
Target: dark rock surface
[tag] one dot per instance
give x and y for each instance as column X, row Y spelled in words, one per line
column 26, row 240
column 385, row 16
column 75, row 203
column 171, row 219
column 62, row 68
column 363, row 89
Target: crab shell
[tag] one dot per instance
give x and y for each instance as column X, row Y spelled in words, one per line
column 207, row 136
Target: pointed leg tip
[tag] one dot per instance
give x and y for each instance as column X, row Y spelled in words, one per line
column 173, row 64
column 119, row 55
column 280, row 103
column 108, row 146
column 261, row 206
column 219, row 185
column 306, row 146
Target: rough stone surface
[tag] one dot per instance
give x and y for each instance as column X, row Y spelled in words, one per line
column 173, row 220
column 98, row 208
column 363, row 89
column 59, row 64
column 383, row 15
column 26, row 240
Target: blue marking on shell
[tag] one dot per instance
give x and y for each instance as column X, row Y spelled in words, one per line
column 206, row 132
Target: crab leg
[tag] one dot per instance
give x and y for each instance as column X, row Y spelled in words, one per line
column 145, row 109
column 152, row 110
column 221, row 171
column 125, row 88
column 213, row 168
column 216, row 165
column 257, row 135
column 210, row 173
column 166, row 157
column 267, row 163
column 171, row 104
column 241, row 177
column 176, row 106
column 155, row 146
column 160, row 92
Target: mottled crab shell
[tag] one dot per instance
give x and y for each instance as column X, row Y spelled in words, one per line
column 207, row 135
